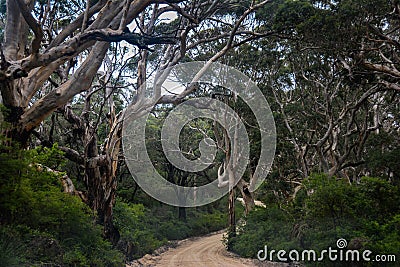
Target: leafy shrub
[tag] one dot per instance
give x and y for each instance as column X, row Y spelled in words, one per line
column 174, row 230
column 56, row 228
column 272, row 224
column 204, row 223
column 137, row 234
column 11, row 248
column 143, row 229
column 365, row 214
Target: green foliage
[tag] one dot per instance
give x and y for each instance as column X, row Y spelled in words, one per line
column 136, row 229
column 174, row 230
column 272, row 224
column 52, row 158
column 365, row 214
column 387, row 235
column 43, row 224
column 383, row 155
column 293, row 14
column 205, row 223
column 337, row 25
column 338, row 201
column 143, row 229
column 12, row 249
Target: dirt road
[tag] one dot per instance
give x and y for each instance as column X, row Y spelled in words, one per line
column 206, row 251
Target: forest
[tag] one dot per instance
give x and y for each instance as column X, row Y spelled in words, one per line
column 289, row 110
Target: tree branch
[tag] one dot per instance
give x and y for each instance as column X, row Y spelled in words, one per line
column 139, row 40
column 72, row 155
column 70, row 28
column 33, row 24
column 382, row 69
column 79, row 82
column 12, row 27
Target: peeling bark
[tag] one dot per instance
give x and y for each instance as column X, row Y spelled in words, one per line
column 25, row 67
column 248, row 197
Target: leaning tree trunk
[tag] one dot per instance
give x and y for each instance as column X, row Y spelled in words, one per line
column 28, row 61
column 248, row 197
column 100, row 166
column 231, row 209
column 100, row 176
column 231, row 198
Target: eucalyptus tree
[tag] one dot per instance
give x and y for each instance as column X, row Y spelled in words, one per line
column 343, row 59
column 55, row 54
column 326, row 73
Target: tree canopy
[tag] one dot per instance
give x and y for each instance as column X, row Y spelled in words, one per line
column 70, row 70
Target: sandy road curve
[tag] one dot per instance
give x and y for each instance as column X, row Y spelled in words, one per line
column 207, row 251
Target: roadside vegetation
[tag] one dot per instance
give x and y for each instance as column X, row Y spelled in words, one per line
column 40, row 224
column 366, row 215
column 72, row 71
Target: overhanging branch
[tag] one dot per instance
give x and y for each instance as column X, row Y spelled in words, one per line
column 141, row 41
